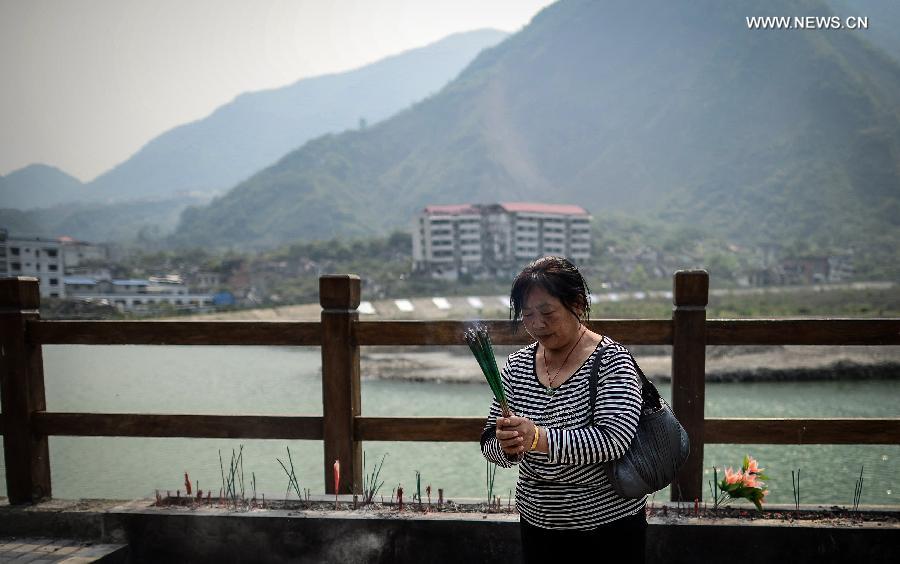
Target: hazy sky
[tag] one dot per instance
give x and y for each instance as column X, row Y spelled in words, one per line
column 86, row 83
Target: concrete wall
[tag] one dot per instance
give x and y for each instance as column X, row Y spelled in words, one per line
column 279, row 536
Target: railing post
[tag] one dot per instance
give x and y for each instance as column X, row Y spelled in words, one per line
column 690, row 296
column 339, row 296
column 22, row 391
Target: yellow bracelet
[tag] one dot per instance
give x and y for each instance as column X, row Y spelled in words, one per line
column 537, row 436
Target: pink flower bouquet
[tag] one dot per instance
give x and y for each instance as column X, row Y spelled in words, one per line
column 746, row 483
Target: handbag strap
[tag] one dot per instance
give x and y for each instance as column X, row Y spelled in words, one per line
column 649, row 393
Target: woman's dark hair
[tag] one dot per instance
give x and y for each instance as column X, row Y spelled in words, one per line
column 560, row 278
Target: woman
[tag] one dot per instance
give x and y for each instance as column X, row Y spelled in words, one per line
column 565, row 502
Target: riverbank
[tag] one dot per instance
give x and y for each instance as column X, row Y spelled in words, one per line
column 723, row 364
column 859, row 299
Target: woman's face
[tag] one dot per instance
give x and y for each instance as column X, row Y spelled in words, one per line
column 548, row 321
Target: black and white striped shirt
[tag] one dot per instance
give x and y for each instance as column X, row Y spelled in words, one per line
column 567, row 487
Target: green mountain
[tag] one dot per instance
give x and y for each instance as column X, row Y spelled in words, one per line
column 18, row 222
column 38, row 185
column 144, row 196
column 239, row 138
column 671, row 110
column 143, row 221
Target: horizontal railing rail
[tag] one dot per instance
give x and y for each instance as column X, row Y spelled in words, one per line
column 802, row 431
column 176, row 425
column 721, row 430
column 825, row 332
column 25, row 423
column 269, row 333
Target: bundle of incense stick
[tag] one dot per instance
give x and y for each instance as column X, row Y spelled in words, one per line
column 480, row 342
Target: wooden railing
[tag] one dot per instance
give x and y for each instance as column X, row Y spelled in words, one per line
column 26, row 424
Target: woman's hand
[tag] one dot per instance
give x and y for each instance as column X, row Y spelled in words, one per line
column 515, row 434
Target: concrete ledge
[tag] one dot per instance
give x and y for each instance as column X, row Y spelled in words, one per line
column 219, row 535
column 740, row 541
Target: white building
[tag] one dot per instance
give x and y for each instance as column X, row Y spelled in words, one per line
column 497, row 238
column 447, row 240
column 169, row 285
column 137, row 294
column 33, row 256
column 76, row 253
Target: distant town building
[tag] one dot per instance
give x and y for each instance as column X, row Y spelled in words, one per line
column 492, row 239
column 818, row 269
column 840, row 268
column 76, row 253
column 98, row 272
column 205, row 280
column 805, row 270
column 138, row 294
column 77, row 270
column 33, row 256
column 769, row 276
column 169, row 285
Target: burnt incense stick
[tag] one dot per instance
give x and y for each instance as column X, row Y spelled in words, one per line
column 479, row 342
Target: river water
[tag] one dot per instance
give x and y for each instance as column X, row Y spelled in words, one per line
column 287, row 381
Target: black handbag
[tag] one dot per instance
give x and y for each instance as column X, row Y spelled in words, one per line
column 659, row 448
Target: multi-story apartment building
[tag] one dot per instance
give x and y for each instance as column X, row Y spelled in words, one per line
column 447, row 240
column 497, row 238
column 33, row 256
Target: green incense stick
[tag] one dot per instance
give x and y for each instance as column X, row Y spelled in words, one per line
column 479, row 342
